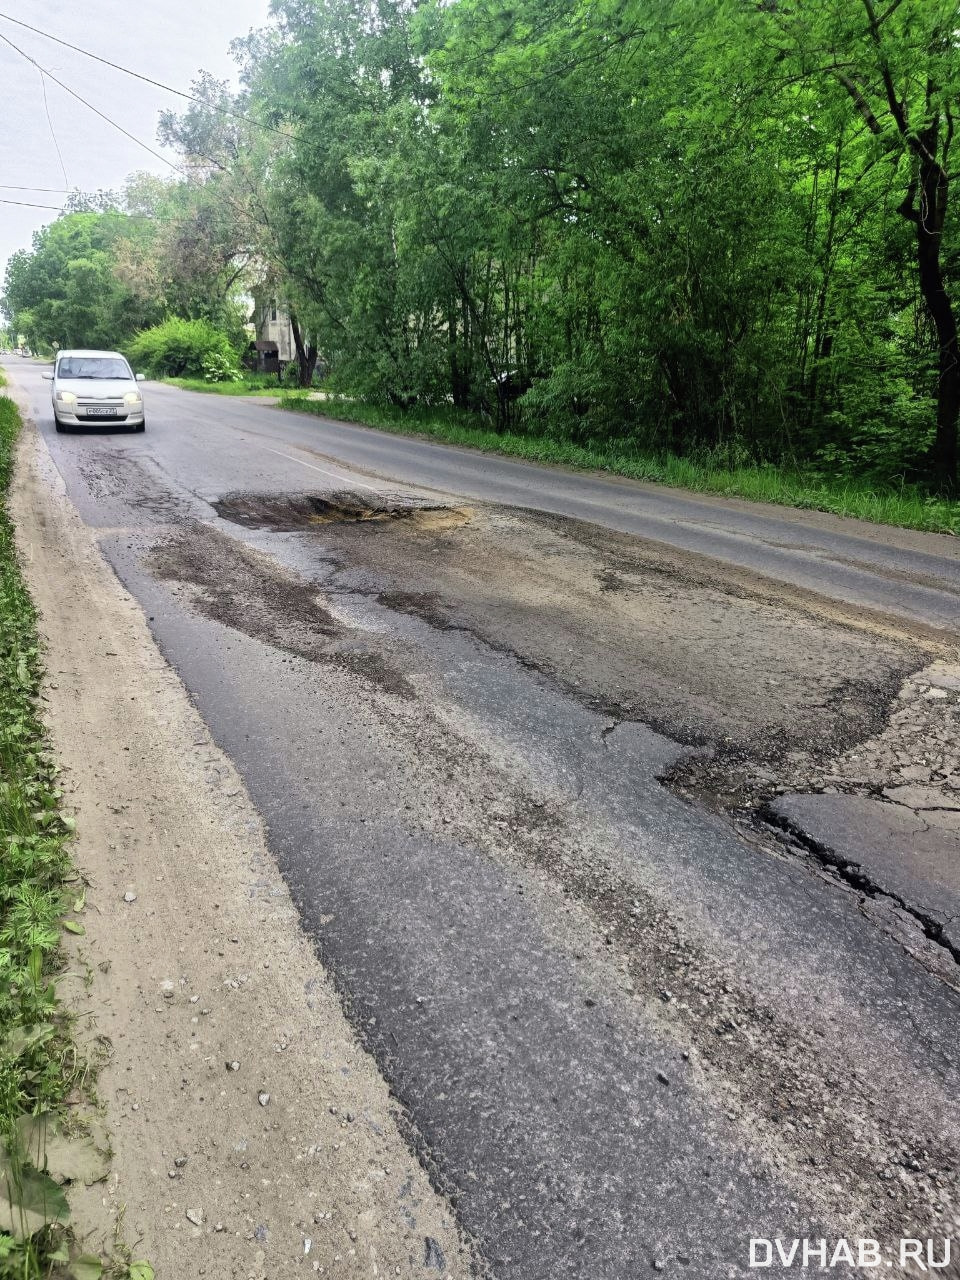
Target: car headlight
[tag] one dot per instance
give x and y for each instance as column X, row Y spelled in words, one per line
column 133, row 398
column 66, row 397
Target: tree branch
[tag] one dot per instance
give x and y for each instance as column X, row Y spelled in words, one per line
column 860, row 102
column 897, row 109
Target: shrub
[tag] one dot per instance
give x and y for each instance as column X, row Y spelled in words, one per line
column 180, row 348
column 220, row 368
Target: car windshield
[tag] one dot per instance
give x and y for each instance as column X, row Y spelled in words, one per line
column 93, row 367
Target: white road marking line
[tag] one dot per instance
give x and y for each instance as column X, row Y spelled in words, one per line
column 323, row 471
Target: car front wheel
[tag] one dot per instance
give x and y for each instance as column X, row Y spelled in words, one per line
column 58, row 424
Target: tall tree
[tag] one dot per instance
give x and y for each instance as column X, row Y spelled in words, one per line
column 898, row 65
column 66, row 291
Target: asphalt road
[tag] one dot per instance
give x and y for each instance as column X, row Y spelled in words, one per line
column 627, row 1040
column 906, row 574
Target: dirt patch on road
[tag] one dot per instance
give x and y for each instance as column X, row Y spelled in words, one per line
column 250, row 592
column 252, row 1136
column 782, row 692
column 775, row 682
column 778, row 693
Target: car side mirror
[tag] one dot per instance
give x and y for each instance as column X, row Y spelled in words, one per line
column 141, row 377
column 47, row 377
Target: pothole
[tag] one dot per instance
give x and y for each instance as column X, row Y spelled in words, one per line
column 288, row 513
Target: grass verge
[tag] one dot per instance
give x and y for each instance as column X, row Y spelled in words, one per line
column 42, row 1074
column 248, row 387
column 907, row 507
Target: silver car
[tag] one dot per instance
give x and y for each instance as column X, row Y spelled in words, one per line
column 95, row 387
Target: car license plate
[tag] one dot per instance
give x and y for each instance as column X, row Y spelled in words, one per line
column 100, row 413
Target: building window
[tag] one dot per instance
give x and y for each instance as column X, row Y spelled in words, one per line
column 273, row 311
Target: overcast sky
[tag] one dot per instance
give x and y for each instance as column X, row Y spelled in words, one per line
column 168, row 40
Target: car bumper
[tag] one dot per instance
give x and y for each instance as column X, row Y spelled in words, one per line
column 70, row 418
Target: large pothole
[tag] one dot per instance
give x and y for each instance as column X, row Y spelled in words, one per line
column 287, row 513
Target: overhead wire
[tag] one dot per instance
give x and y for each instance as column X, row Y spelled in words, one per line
column 33, row 205
column 30, row 204
column 158, row 84
column 176, row 168
column 89, row 105
column 53, row 132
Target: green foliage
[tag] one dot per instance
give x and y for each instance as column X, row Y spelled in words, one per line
column 181, row 348
column 30, row 1201
column 290, row 377
column 671, row 223
column 255, row 385
column 32, row 838
column 196, row 255
column 218, row 367
column 66, row 290
column 99, row 273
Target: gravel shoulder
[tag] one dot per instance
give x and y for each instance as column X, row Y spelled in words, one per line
column 251, row 1134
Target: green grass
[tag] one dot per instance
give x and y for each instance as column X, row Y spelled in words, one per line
column 906, row 506
column 39, row 1065
column 258, row 385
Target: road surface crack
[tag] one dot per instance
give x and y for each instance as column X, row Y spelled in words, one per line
column 853, row 874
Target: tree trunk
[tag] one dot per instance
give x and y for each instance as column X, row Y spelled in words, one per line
column 307, row 354
column 822, row 337
column 928, row 221
column 456, row 351
column 926, row 207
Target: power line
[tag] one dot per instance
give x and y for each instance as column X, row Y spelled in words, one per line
column 58, row 191
column 88, row 105
column 158, row 84
column 176, row 168
column 53, row 135
column 29, row 204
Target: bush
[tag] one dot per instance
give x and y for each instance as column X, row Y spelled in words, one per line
column 219, row 368
column 180, row 349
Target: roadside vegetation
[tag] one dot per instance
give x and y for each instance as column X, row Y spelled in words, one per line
column 717, row 241
column 245, row 385
column 184, row 348
column 43, row 1077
